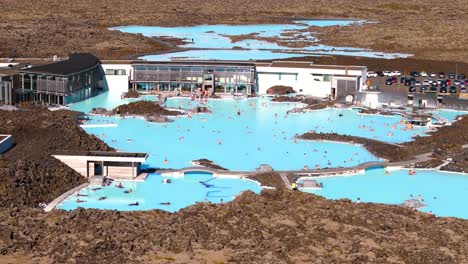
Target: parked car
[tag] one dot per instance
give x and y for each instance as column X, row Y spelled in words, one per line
column 426, row 82
column 441, row 75
column 414, row 74
column 461, row 76
column 422, row 89
column 417, row 83
column 394, row 79
column 448, row 82
column 443, row 89
column 433, row 75
column 463, row 89
column 453, row 89
column 395, row 73
column 372, row 74
column 457, row 82
column 408, row 82
column 386, row 73
column 423, row 74
column 451, row 75
column 403, row 79
column 411, row 89
column 389, row 81
column 433, row 89
column 380, row 73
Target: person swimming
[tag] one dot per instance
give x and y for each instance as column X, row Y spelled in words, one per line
column 120, row 185
column 134, row 204
column 167, row 181
column 165, row 160
column 165, row 203
column 128, row 191
column 96, row 189
column 81, row 195
column 102, row 198
column 80, row 201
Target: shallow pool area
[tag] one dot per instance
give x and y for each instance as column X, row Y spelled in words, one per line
column 262, row 133
column 444, row 193
column 255, row 42
column 153, row 193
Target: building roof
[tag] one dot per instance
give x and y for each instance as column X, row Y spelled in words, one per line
column 104, row 154
column 308, row 65
column 76, row 62
column 197, row 63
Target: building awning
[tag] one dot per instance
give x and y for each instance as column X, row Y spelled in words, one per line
column 104, row 156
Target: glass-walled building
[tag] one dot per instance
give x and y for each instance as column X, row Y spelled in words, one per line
column 63, row 82
column 187, row 77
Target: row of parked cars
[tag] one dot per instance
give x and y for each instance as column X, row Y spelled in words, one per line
column 431, row 85
column 450, row 75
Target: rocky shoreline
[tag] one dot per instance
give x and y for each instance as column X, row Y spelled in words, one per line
column 445, row 143
column 274, row 227
column 277, row 226
column 30, row 175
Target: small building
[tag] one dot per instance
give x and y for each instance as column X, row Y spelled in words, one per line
column 325, row 81
column 61, row 82
column 121, row 165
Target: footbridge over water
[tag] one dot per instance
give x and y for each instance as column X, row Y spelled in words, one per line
column 317, row 171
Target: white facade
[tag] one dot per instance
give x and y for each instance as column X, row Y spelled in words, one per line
column 117, row 77
column 309, row 79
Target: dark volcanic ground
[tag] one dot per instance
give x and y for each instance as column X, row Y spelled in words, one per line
column 430, row 29
column 29, row 175
column 277, row 226
column 274, row 227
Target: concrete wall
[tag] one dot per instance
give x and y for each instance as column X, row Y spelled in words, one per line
column 6, row 143
column 76, row 164
column 116, row 84
column 79, row 165
column 122, row 172
column 308, row 81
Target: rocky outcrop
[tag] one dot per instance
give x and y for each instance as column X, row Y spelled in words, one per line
column 132, row 94
column 144, row 108
column 270, row 179
column 281, row 90
column 208, row 164
column 29, row 174
column 274, row 227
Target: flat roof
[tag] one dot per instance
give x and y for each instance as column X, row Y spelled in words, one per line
column 76, row 62
column 308, row 65
column 197, row 63
column 105, row 154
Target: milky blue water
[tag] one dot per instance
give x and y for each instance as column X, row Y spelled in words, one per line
column 262, row 134
column 445, row 194
column 181, row 192
column 216, row 43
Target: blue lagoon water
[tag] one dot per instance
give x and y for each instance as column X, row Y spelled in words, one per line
column 181, row 192
column 213, row 41
column 263, row 133
column 445, row 194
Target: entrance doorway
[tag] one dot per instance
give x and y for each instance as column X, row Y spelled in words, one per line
column 97, row 169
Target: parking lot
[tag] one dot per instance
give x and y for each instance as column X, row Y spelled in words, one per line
column 419, row 85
